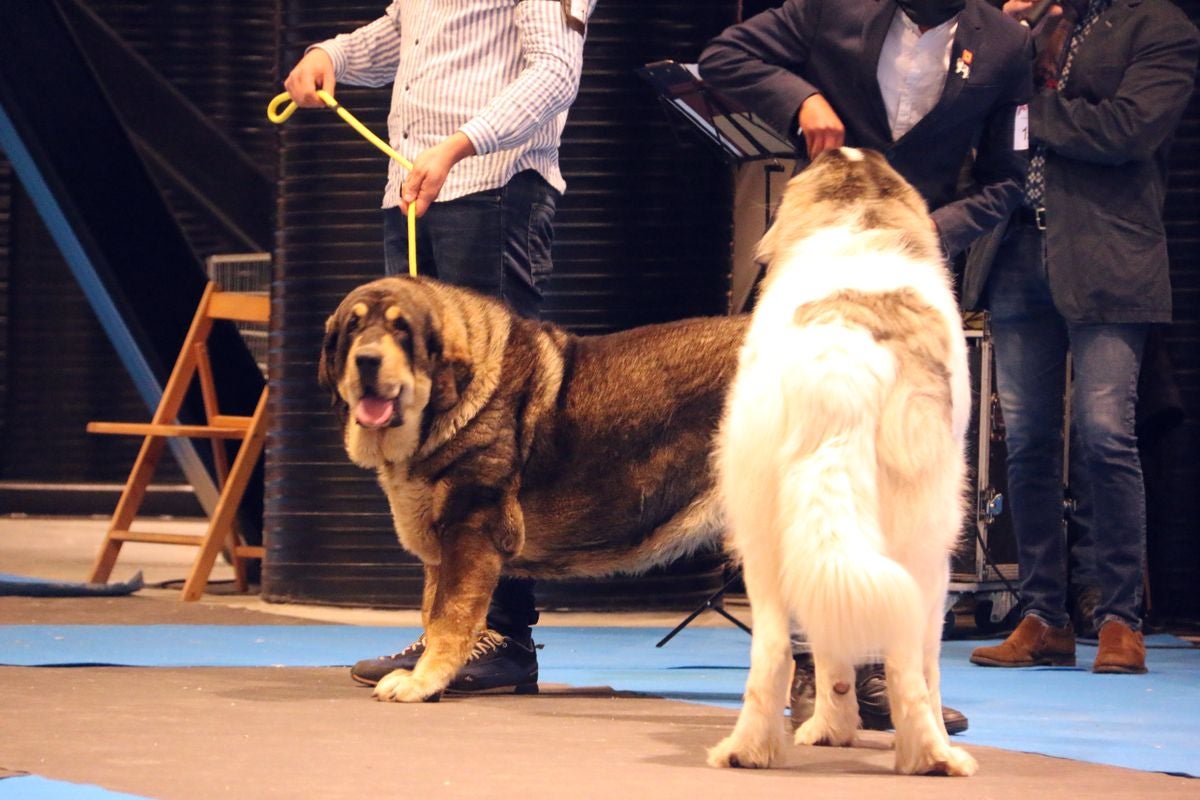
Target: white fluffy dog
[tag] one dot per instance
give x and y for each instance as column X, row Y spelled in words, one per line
column 841, row 461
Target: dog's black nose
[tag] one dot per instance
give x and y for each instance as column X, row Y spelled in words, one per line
column 368, row 368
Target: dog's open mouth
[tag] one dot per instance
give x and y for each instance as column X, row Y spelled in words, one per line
column 373, row 411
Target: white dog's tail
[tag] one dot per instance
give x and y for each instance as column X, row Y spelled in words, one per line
column 839, row 580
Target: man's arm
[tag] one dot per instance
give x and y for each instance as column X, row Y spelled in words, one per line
column 367, row 56
column 1131, row 125
column 553, row 53
column 757, row 62
column 547, row 85
column 999, row 168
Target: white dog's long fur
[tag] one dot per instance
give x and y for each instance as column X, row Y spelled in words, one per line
column 841, row 462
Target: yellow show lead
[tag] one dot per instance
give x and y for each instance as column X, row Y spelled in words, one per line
column 279, row 117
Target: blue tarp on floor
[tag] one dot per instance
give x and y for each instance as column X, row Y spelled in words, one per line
column 34, row 787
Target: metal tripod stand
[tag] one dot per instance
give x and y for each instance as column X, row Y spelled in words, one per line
column 712, row 603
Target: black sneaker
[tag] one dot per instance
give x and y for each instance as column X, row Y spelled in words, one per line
column 497, row 663
column 371, row 670
column 870, row 688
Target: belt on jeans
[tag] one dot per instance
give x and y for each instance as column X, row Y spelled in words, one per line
column 1032, row 216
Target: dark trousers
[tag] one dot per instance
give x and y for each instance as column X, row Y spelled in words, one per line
column 496, row 242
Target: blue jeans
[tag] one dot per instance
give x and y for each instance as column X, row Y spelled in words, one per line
column 1031, row 341
column 496, row 242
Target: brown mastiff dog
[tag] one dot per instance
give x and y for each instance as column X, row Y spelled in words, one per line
column 508, row 445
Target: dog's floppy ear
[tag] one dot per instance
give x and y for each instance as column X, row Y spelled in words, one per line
column 330, row 367
column 450, row 363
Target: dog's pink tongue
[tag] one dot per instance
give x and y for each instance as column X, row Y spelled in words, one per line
column 374, row 412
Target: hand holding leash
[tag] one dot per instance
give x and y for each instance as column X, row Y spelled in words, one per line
column 312, row 72
column 279, row 117
column 430, row 169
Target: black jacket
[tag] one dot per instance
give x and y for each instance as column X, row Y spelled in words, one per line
column 772, row 62
column 1107, row 135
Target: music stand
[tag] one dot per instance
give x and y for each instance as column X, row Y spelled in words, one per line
column 739, row 137
column 737, row 133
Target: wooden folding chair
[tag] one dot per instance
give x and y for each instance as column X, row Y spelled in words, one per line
column 193, row 362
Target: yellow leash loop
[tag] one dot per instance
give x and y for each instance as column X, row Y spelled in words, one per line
column 279, row 117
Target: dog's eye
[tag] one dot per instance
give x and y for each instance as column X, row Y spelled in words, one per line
column 400, row 326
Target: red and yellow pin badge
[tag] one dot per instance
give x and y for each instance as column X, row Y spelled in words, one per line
column 962, row 67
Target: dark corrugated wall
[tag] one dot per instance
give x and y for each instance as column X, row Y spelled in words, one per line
column 7, row 185
column 642, row 236
column 56, row 347
column 221, row 55
column 1170, row 457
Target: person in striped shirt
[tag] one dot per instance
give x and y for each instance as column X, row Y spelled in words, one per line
column 480, row 93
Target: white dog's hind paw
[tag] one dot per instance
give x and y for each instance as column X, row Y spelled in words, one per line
column 818, row 732
column 952, row 761
column 750, row 755
column 399, row 686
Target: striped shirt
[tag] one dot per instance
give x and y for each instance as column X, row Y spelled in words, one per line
column 504, row 72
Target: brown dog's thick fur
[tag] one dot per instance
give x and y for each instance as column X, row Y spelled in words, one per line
column 507, row 445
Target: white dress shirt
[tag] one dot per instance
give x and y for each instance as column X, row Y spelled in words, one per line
column 912, row 69
column 502, row 72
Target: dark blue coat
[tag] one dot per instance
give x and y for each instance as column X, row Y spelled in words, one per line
column 772, row 62
column 1107, row 135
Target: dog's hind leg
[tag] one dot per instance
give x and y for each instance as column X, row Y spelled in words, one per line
column 759, row 733
column 922, row 746
column 935, row 615
column 466, row 578
column 835, row 711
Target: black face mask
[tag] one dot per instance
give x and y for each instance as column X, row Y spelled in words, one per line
column 930, row 13
column 1075, row 9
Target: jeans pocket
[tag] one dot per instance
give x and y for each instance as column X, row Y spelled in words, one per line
column 540, row 239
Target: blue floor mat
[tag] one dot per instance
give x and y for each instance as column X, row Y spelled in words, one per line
column 1148, row 722
column 27, row 586
column 34, row 787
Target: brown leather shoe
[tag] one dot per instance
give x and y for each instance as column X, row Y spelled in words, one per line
column 1033, row 643
column 1122, row 650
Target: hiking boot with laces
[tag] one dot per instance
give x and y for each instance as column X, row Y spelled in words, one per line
column 870, row 689
column 874, row 710
column 371, row 670
column 496, row 663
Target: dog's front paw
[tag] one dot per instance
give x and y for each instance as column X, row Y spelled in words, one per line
column 818, row 731
column 953, row 761
column 733, row 752
column 960, row 764
column 399, row 686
